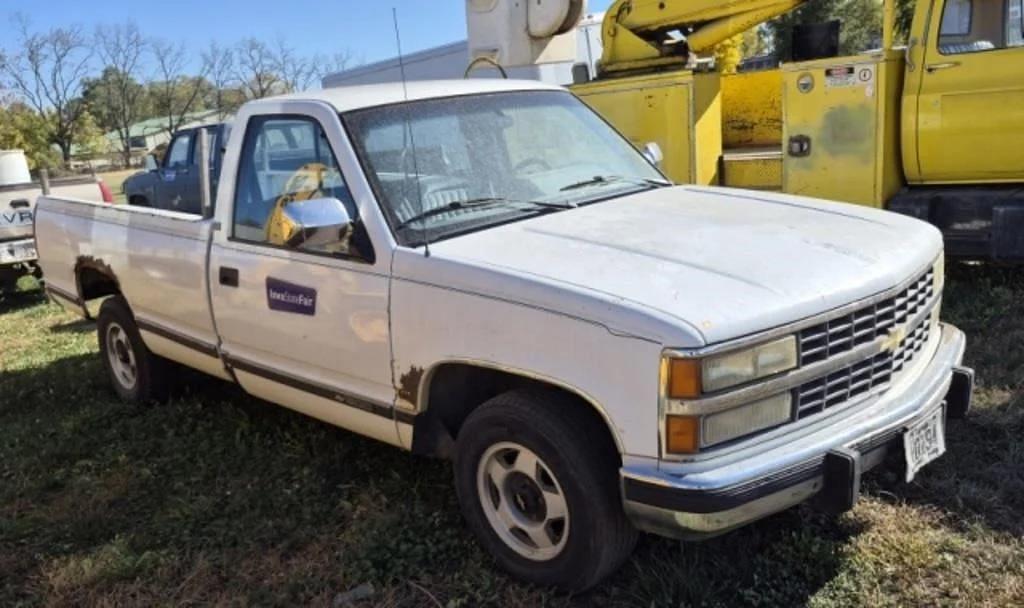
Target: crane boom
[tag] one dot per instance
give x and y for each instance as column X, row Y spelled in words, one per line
column 636, row 32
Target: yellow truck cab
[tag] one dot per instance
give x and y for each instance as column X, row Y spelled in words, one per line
column 962, row 117
column 930, row 129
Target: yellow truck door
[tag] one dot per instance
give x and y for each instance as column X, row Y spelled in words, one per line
column 970, row 109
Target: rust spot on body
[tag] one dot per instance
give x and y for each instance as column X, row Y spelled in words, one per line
column 409, row 385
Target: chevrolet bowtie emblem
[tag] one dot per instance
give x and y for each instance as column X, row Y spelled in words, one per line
column 894, row 338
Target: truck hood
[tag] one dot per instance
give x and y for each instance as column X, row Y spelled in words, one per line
column 720, row 263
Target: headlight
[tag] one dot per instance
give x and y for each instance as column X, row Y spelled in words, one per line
column 688, row 434
column 690, row 378
column 747, row 419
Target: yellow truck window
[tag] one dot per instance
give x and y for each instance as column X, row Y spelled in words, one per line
column 1014, row 23
column 976, row 26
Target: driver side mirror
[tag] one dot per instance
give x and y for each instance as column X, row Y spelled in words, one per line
column 151, row 164
column 652, row 152
column 320, row 224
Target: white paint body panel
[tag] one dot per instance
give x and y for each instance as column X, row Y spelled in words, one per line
column 586, row 298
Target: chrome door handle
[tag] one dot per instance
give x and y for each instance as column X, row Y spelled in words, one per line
column 935, row 67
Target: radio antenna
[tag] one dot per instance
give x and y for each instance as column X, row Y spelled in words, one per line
column 408, row 139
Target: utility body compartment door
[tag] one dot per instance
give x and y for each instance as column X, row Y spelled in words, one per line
column 970, row 106
column 300, row 326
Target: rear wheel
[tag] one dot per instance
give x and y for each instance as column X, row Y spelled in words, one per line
column 538, row 486
column 136, row 374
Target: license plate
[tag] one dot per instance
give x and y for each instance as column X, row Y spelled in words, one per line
column 17, row 252
column 924, row 442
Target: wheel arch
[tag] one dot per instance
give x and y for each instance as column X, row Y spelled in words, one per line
column 95, row 279
column 450, row 390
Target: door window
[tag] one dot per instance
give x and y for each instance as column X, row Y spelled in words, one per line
column 177, row 155
column 286, row 161
column 212, row 139
column 1014, row 23
column 975, row 26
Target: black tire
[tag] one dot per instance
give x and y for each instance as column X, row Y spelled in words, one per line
column 566, row 438
column 151, row 372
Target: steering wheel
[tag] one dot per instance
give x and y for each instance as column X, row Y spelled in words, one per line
column 540, row 163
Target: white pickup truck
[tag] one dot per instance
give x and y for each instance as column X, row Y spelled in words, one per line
column 487, row 271
column 17, row 205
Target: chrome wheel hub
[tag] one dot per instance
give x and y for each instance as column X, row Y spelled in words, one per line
column 523, row 501
column 121, row 356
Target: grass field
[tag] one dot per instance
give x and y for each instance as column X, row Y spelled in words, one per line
column 217, row 498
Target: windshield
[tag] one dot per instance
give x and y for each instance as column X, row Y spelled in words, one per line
column 443, row 167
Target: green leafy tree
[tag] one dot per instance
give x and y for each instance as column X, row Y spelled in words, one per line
column 91, row 141
column 22, row 128
column 861, row 25
column 904, row 17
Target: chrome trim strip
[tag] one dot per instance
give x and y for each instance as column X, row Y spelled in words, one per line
column 794, row 378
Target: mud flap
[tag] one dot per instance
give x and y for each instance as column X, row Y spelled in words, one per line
column 841, row 488
column 961, row 391
column 1008, row 234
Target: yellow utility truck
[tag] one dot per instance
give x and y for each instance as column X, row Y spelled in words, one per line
column 931, row 129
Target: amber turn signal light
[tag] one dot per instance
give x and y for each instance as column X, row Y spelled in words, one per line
column 682, row 434
column 684, row 379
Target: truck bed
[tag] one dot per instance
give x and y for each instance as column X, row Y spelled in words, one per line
column 158, row 258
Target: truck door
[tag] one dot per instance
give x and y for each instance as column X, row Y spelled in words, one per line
column 175, row 173
column 305, row 326
column 971, row 100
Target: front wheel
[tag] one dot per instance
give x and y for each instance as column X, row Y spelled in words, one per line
column 540, row 489
column 136, row 374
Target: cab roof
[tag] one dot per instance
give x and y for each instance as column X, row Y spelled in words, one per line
column 345, row 99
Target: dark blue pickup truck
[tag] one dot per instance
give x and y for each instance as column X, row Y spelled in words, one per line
column 174, row 183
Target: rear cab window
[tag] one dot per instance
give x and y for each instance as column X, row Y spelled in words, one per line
column 977, row 26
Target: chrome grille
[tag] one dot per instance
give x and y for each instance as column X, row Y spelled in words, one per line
column 843, row 334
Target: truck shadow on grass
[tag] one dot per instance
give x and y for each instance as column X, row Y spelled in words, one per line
column 13, row 301
column 215, row 496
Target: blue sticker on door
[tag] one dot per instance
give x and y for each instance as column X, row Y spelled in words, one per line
column 288, row 297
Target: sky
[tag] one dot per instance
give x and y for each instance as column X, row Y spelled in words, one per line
column 310, row 26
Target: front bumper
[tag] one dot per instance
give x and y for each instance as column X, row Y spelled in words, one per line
column 707, row 500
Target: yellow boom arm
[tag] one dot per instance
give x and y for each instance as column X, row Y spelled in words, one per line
column 635, row 31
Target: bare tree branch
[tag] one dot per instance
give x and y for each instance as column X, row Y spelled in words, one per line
column 324, row 65
column 219, row 65
column 256, row 70
column 121, row 49
column 296, row 72
column 47, row 72
column 176, row 94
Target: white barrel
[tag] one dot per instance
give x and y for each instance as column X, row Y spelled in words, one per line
column 13, row 168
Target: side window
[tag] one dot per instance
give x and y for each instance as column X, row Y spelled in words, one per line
column 212, row 138
column 1015, row 23
column 976, row 26
column 177, row 155
column 956, row 18
column 284, row 162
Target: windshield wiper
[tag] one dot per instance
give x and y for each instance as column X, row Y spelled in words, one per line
column 476, row 203
column 601, row 180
